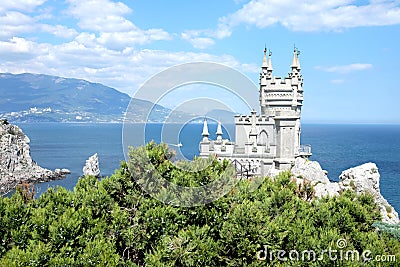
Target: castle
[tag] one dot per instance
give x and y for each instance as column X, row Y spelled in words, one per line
column 272, row 138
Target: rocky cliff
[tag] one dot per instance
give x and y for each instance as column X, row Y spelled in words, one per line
column 16, row 164
column 363, row 178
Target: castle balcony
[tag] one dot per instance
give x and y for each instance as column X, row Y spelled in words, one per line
column 305, row 151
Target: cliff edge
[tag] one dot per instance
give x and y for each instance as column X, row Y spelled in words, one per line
column 16, row 164
column 363, row 178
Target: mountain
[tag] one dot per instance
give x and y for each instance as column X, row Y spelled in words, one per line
column 222, row 115
column 42, row 98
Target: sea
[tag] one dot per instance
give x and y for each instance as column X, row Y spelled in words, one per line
column 336, row 147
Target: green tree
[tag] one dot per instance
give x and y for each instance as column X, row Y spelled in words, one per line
column 114, row 222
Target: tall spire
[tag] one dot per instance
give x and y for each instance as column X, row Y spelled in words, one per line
column 264, row 63
column 219, row 132
column 270, row 61
column 205, row 133
column 295, row 60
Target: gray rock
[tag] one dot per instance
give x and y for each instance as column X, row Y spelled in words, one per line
column 16, row 164
column 62, row 171
column 365, row 178
column 91, row 167
column 310, row 170
column 329, row 189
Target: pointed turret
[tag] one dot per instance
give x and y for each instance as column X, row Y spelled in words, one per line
column 265, row 63
column 270, row 61
column 219, row 132
column 295, row 60
column 205, row 133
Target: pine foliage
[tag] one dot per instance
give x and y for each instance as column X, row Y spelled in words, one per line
column 113, row 222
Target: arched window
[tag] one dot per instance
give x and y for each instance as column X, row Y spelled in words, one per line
column 263, row 138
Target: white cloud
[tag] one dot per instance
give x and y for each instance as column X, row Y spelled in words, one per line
column 102, row 19
column 201, row 42
column 58, row 30
column 100, row 15
column 22, row 5
column 101, row 48
column 87, row 39
column 84, row 58
column 202, row 39
column 114, row 30
column 197, row 42
column 345, row 68
column 18, row 45
column 13, row 23
column 307, row 15
column 250, row 68
column 120, row 40
column 313, row 15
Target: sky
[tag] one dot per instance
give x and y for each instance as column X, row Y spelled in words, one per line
column 350, row 50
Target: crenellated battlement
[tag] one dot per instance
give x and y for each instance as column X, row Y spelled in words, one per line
column 278, row 82
column 277, row 93
column 243, row 119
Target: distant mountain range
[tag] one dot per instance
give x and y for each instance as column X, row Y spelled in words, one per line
column 42, row 98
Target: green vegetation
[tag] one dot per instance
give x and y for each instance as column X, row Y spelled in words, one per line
column 352, row 185
column 388, row 208
column 390, row 229
column 113, row 222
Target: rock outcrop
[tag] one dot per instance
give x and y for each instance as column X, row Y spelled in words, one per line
column 310, row 170
column 363, row 178
column 91, row 167
column 16, row 164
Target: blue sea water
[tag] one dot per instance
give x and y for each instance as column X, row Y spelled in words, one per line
column 336, row 147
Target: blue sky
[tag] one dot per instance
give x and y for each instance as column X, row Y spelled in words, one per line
column 350, row 53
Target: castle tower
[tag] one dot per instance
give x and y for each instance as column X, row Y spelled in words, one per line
column 219, row 132
column 282, row 99
column 297, row 82
column 266, row 74
column 272, row 138
column 264, row 65
column 270, row 69
column 297, row 86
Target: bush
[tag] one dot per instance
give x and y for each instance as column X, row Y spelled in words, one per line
column 114, row 222
column 389, row 229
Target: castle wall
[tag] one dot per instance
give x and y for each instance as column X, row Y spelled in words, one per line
column 243, row 128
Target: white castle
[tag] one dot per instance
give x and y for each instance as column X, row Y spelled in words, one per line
column 272, row 138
